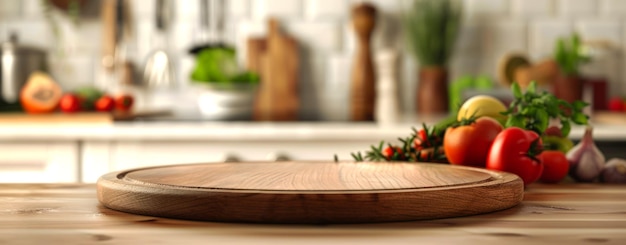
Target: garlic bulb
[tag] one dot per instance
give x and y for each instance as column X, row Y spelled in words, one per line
column 586, row 160
column 614, row 171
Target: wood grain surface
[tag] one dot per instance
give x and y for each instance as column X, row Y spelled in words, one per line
column 549, row 214
column 309, row 192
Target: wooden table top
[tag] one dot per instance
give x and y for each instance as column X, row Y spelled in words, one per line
column 549, row 214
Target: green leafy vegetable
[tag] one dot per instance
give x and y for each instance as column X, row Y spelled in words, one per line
column 533, row 110
column 219, row 65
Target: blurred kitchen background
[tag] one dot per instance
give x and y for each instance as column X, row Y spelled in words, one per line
column 304, row 49
column 490, row 30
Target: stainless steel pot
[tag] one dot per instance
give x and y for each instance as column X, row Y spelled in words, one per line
column 16, row 64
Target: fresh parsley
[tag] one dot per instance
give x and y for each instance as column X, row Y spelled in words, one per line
column 533, row 110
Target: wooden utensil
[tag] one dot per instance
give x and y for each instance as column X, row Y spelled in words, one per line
column 276, row 59
column 109, row 33
column 363, row 91
column 55, row 118
column 309, row 192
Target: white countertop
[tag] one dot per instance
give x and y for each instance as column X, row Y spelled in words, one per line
column 228, row 131
column 242, row 131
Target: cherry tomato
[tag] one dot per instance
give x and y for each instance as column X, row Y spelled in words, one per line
column 390, row 151
column 124, row 102
column 105, row 103
column 469, row 145
column 555, row 166
column 429, row 155
column 421, row 140
column 516, row 151
column 69, row 103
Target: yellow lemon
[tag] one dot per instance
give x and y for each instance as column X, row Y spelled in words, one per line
column 482, row 105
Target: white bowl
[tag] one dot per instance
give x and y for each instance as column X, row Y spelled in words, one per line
column 235, row 102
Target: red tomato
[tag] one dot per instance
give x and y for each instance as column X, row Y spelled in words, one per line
column 124, row 102
column 555, row 166
column 105, row 103
column 40, row 94
column 69, row 103
column 469, row 145
column 515, row 150
column 616, row 104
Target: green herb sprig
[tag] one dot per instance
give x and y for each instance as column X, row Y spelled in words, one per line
column 432, row 27
column 533, row 110
column 429, row 149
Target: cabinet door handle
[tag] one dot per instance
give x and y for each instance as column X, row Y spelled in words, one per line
column 232, row 158
column 278, row 157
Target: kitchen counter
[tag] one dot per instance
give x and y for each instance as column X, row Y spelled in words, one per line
column 229, row 131
column 184, row 127
column 63, row 152
column 242, row 131
column 549, row 214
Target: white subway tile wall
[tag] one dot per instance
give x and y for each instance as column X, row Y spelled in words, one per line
column 614, row 8
column 532, row 8
column 321, row 36
column 239, row 9
column 334, row 105
column 143, row 11
column 10, row 9
column 32, row 9
column 577, row 8
column 325, row 10
column 543, row 33
column 601, row 29
column 486, row 8
column 491, row 28
column 288, row 9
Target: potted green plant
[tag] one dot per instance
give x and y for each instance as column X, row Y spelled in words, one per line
column 226, row 91
column 569, row 56
column 432, row 28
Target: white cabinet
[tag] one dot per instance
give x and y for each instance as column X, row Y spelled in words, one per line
column 39, row 162
column 99, row 158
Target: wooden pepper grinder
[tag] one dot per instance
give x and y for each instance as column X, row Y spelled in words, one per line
column 363, row 91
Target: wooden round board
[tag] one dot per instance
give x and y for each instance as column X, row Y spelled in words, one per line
column 309, row 192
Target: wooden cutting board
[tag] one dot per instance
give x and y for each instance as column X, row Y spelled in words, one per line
column 309, row 192
column 609, row 118
column 15, row 118
column 276, row 59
